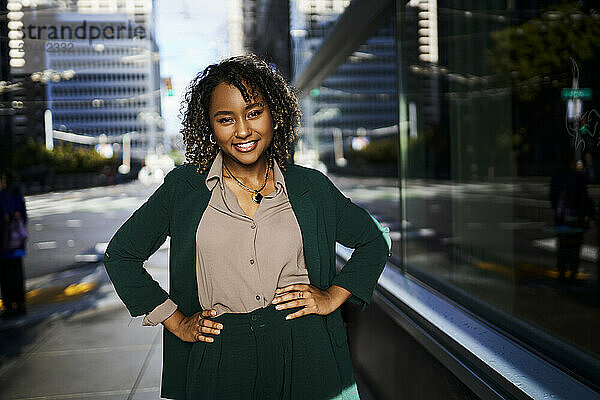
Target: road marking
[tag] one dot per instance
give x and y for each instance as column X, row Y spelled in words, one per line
column 73, row 223
column 587, row 252
column 42, row 207
column 45, row 245
column 100, row 247
column 87, row 258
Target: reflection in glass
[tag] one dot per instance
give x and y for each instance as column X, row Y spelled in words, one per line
column 491, row 124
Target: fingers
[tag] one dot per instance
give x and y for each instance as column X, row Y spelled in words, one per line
column 207, row 323
column 202, row 338
column 206, row 329
column 296, row 286
column 203, row 326
column 292, row 304
column 291, row 298
column 208, row 313
column 297, row 314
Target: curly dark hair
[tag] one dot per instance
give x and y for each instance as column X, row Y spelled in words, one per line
column 238, row 71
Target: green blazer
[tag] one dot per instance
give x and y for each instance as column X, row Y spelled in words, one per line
column 325, row 217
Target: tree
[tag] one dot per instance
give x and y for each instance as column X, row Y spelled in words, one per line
column 538, row 53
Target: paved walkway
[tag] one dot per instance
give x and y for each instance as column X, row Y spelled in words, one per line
column 102, row 356
column 78, row 341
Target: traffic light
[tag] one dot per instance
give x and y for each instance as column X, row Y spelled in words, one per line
column 169, row 86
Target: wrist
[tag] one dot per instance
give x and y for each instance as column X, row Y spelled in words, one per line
column 174, row 322
column 338, row 295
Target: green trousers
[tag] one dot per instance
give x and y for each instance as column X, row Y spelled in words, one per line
column 262, row 356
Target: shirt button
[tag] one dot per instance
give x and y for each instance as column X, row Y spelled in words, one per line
column 257, row 297
column 251, row 261
column 253, row 226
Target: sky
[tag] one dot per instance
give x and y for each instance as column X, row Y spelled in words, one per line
column 191, row 34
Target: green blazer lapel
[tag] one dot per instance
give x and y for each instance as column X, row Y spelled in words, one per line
column 299, row 192
column 190, row 205
column 198, row 197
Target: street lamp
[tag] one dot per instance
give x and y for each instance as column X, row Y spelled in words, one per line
column 126, row 166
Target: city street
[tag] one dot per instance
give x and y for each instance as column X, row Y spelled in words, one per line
column 77, row 339
column 70, row 228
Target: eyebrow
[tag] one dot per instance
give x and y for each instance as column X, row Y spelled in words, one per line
column 249, row 106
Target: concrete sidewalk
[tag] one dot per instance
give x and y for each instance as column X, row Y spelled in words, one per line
column 78, row 341
column 104, row 356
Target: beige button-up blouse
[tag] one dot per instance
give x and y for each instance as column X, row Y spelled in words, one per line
column 240, row 260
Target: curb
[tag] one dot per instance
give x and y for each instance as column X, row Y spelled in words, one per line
column 100, row 298
column 111, row 304
column 89, row 287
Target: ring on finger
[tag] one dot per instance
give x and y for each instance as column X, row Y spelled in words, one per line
column 300, row 294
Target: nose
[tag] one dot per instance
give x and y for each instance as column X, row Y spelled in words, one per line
column 243, row 130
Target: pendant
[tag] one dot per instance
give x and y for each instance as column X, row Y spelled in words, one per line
column 257, row 197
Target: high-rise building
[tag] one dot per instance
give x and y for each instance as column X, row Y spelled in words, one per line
column 235, row 27
column 422, row 58
column 266, row 32
column 310, row 20
column 110, row 45
column 358, row 100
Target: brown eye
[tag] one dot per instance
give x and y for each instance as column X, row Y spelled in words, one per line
column 254, row 113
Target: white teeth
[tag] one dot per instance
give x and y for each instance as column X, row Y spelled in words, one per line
column 246, row 145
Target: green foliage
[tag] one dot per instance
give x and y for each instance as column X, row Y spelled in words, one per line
column 538, row 52
column 177, row 156
column 64, row 157
column 383, row 151
column 30, row 153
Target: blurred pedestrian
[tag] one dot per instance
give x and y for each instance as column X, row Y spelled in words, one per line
column 248, row 229
column 573, row 211
column 589, row 168
column 13, row 234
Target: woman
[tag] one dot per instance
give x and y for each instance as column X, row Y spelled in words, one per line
column 253, row 307
column 13, row 217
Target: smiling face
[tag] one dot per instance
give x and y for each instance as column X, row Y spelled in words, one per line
column 242, row 130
